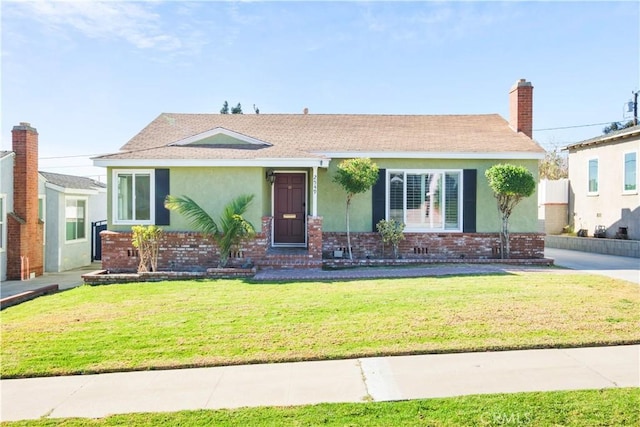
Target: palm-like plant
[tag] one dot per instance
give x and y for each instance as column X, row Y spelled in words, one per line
column 230, row 229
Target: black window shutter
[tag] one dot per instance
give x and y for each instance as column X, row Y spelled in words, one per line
column 469, row 184
column 378, row 198
column 162, row 190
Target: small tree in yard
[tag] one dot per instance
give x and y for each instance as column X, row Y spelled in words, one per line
column 230, row 229
column 510, row 184
column 355, row 176
column 147, row 241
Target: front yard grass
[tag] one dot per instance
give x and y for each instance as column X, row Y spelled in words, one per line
column 609, row 407
column 205, row 323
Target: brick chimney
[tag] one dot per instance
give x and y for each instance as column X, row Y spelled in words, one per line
column 521, row 107
column 24, row 228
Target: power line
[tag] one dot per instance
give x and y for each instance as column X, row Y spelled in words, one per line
column 577, row 126
column 69, row 157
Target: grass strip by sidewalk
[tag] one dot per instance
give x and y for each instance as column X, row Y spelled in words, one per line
column 206, row 323
column 608, row 407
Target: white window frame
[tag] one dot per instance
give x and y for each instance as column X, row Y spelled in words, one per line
column 624, row 173
column 589, row 192
column 3, row 223
column 43, row 198
column 114, row 196
column 408, row 227
column 86, row 219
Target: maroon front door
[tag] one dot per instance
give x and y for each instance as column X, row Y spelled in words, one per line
column 290, row 213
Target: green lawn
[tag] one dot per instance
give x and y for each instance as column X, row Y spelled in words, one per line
column 610, row 407
column 206, row 323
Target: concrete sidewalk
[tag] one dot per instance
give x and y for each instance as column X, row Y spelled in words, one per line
column 354, row 380
column 64, row 280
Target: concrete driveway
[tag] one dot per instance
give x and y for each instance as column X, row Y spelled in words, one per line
column 617, row 267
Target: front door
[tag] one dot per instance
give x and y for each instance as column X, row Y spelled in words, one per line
column 290, row 213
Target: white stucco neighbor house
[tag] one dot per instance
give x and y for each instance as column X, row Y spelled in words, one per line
column 603, row 189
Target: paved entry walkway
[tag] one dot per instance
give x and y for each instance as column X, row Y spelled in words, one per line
column 352, row 380
column 388, row 272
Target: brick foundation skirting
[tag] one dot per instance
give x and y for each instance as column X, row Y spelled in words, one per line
column 194, row 253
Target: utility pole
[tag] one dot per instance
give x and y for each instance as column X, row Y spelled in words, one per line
column 635, row 108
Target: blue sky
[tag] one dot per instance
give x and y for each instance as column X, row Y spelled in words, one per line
column 90, row 75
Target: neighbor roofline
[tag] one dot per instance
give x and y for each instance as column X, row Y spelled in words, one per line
column 71, row 190
column 623, row 134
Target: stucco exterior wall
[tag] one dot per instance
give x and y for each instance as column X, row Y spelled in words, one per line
column 60, row 254
column 6, row 190
column 211, row 188
column 332, row 198
column 611, row 206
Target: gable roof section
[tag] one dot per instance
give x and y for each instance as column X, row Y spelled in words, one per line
column 315, row 137
column 4, row 153
column 220, row 137
column 621, row 135
column 67, row 183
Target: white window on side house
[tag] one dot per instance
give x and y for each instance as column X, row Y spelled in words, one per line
column 133, row 197
column 425, row 200
column 593, row 176
column 630, row 184
column 75, row 219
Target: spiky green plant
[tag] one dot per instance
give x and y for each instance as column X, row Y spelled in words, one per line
column 230, row 229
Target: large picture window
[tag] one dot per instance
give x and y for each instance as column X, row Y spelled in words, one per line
column 425, row 200
column 134, row 197
column 593, row 176
column 630, row 170
column 75, row 219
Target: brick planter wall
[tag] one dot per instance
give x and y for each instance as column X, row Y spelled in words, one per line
column 191, row 251
column 180, row 251
column 437, row 245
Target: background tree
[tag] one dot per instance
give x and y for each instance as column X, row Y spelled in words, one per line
column 617, row 126
column 553, row 166
column 237, row 109
column 225, row 108
column 355, row 176
column 230, row 229
column 510, row 184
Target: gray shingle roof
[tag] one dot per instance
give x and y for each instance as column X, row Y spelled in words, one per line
column 316, row 135
column 71, row 181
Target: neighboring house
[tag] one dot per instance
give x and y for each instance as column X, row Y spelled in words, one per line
column 431, row 178
column 553, row 205
column 45, row 218
column 6, row 205
column 603, row 177
column 73, row 203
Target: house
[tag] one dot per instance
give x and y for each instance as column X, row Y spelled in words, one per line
column 73, row 204
column 45, row 218
column 431, row 178
column 603, row 184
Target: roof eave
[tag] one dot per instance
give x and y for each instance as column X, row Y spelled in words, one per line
column 605, row 138
column 273, row 162
column 516, row 155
